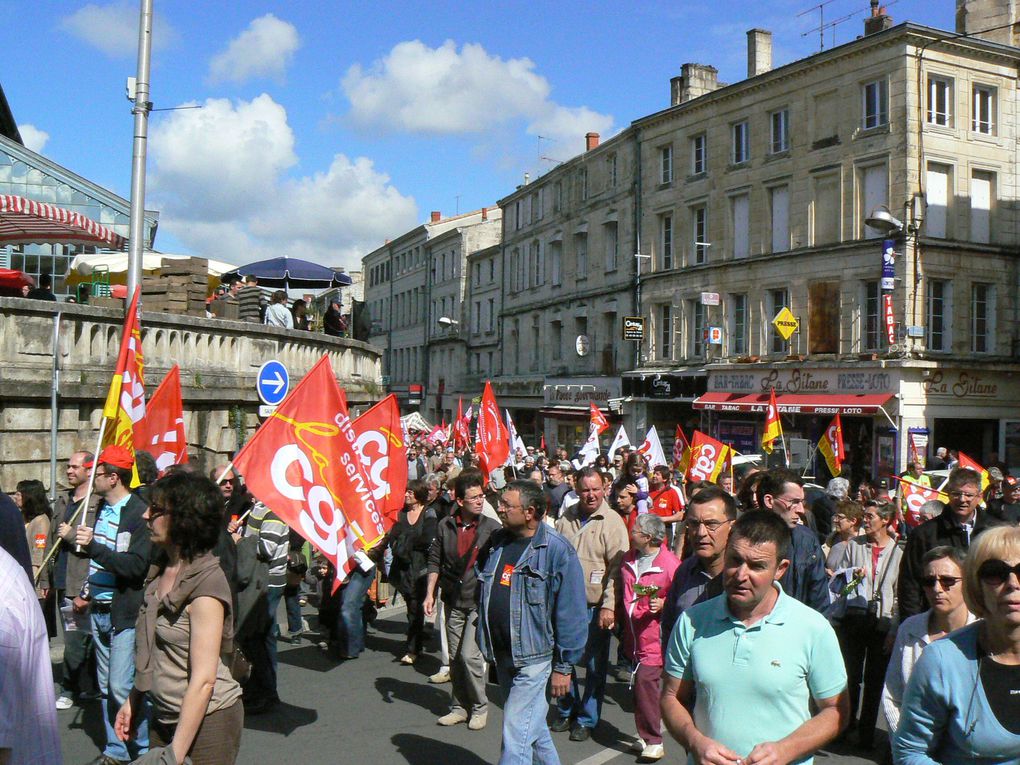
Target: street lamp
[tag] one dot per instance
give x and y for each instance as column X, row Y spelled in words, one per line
column 446, row 321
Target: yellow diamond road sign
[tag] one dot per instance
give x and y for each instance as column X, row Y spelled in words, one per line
column 786, row 323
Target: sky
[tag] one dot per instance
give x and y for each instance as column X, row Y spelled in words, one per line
column 326, row 127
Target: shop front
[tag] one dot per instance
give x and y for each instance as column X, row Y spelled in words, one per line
column 663, row 399
column 566, row 410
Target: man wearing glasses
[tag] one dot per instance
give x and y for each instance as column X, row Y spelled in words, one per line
column 710, row 514
column 119, row 550
column 956, row 526
column 782, row 492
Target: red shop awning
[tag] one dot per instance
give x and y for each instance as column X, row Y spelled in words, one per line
column 795, row 403
column 25, row 221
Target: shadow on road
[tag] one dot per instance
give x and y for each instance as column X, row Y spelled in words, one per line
column 418, row 750
column 307, row 657
column 89, row 718
column 284, row 718
column 434, row 698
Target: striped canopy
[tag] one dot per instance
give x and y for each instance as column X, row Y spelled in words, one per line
column 24, row 221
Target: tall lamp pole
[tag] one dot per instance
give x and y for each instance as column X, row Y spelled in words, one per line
column 142, row 105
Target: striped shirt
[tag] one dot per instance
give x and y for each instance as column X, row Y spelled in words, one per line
column 102, row 583
column 274, row 542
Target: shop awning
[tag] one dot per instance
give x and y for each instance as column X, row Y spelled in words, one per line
column 579, row 412
column 795, row 403
column 25, row 221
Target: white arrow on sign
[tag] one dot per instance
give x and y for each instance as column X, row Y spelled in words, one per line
column 276, row 382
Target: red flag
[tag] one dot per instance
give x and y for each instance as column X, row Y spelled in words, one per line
column 598, row 420
column 707, row 458
column 161, row 432
column 384, row 454
column 681, row 451
column 967, row 462
column 303, row 464
column 831, row 446
column 461, row 427
column 125, row 399
column 541, row 443
column 773, row 425
column 914, row 497
column 493, row 444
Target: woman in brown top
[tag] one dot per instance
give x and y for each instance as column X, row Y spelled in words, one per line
column 184, row 631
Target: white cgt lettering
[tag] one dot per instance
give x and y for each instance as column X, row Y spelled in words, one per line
column 314, row 526
column 378, row 465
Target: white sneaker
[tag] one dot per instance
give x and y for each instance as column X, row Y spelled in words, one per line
column 442, row 676
column 478, row 720
column 453, row 718
column 651, row 753
column 638, row 745
column 64, row 702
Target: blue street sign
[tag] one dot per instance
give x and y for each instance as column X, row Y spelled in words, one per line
column 273, row 382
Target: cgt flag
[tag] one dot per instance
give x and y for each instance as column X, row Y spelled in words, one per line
column 651, row 449
column 967, row 462
column 708, row 457
column 773, row 426
column 161, row 431
column 380, row 442
column 914, row 497
column 493, row 444
column 125, row 400
column 622, row 440
column 461, row 427
column 598, row 420
column 303, row 464
column 831, row 446
column 681, row 451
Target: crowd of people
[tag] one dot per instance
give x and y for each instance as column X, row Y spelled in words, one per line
column 243, row 299
column 756, row 619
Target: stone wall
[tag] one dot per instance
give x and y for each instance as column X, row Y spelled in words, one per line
column 219, row 360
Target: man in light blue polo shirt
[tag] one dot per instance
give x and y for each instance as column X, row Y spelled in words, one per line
column 751, row 660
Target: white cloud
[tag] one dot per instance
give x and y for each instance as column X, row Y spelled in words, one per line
column 264, row 49
column 34, row 138
column 113, row 28
column 419, row 89
column 219, row 178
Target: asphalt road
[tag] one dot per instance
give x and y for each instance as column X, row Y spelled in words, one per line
column 375, row 710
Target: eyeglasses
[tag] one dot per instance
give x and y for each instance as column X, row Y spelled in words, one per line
column 507, row 508
column 693, row 524
column 946, row 582
column 996, row 572
column 963, row 495
column 477, row 498
column 104, row 475
column 790, row 502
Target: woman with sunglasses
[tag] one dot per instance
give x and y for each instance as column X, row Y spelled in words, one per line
column 184, row 631
column 962, row 703
column 943, row 589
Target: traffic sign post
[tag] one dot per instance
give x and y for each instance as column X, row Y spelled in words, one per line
column 272, row 382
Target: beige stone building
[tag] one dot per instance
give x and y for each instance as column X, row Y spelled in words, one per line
column 754, row 197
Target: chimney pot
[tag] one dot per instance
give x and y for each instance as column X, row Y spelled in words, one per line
column 696, row 80
column 436, row 216
column 759, row 52
column 878, row 20
column 485, row 213
column 591, row 140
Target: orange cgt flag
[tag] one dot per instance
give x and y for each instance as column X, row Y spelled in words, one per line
column 681, row 451
column 304, row 465
column 967, row 462
column 384, row 454
column 598, row 420
column 125, row 400
column 708, row 456
column 161, row 431
column 831, row 446
column 493, row 444
column 773, row 426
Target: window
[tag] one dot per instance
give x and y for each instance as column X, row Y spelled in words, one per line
column 984, row 110
column 665, row 331
column 666, row 242
column 937, row 186
column 666, row 164
column 826, row 209
column 611, row 239
column 476, row 317
column 696, row 312
column 779, row 133
column 873, row 190
column 535, row 264
column 699, row 234
column 825, row 117
column 492, row 270
column 518, row 214
column 940, row 101
column 823, row 317
column 740, row 220
column 611, row 170
column 777, row 300
column 779, row 217
column 581, row 255
column 871, row 317
column 875, row 106
column 737, row 321
column 556, row 262
column 982, row 318
column 536, row 206
column 476, row 274
column 741, row 144
column 982, row 196
column 699, row 154
column 491, row 326
column 558, row 196
column 557, row 340
column 536, row 343
column 940, row 315
column 582, row 182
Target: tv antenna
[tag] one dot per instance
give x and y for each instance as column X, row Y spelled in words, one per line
column 822, row 25
column 821, row 22
column 541, row 156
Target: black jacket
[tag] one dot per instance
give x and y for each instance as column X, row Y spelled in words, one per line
column 935, row 532
column 457, row 583
column 130, row 566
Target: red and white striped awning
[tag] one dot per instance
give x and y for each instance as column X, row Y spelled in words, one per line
column 25, row 221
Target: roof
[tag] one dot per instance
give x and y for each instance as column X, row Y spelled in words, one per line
column 8, row 127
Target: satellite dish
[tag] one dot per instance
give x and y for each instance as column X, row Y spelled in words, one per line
column 582, row 345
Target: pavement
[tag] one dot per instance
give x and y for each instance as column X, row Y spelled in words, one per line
column 375, row 710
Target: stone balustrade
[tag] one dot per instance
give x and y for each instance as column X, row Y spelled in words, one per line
column 218, row 359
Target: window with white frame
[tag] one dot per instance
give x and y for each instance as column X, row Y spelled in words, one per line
column 779, row 131
column 983, row 120
column 581, row 255
column 491, row 326
column 982, row 318
column 611, row 241
column 940, row 315
column 582, row 182
column 982, row 199
column 666, row 241
column 666, row 163
column 938, row 183
column 871, row 316
column 611, row 170
column 779, row 218
column 940, row 101
column 699, row 154
column 556, row 262
column 535, row 264
column 699, row 234
column 740, row 148
column 518, row 214
column 665, row 317
column 873, row 192
column 776, row 301
column 740, row 222
column 736, row 319
column 875, row 104
column 696, row 326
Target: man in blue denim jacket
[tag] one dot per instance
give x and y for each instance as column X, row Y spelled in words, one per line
column 533, row 623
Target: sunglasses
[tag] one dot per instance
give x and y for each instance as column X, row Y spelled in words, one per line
column 945, row 582
column 996, row 572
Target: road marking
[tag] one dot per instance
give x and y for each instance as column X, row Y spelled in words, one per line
column 598, row 759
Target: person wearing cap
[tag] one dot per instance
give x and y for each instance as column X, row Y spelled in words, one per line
column 1007, row 507
column 120, row 551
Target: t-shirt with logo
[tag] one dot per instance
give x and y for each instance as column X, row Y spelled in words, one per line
column 666, row 502
column 499, row 599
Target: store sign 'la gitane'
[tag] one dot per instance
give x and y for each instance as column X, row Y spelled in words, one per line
column 962, row 385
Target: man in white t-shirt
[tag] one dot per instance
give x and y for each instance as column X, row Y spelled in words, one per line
column 28, row 715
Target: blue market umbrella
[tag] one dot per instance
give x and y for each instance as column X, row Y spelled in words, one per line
column 291, row 272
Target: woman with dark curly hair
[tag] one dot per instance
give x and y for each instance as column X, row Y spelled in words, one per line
column 30, row 498
column 185, row 629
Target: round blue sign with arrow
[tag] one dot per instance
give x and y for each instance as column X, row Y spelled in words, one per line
column 272, row 383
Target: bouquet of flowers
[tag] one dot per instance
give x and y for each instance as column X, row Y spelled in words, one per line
column 646, row 591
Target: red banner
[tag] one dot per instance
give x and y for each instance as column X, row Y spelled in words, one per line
column 161, row 432
column 461, row 427
column 681, row 451
column 384, row 454
column 707, row 458
column 598, row 420
column 493, row 444
column 831, row 446
column 890, row 319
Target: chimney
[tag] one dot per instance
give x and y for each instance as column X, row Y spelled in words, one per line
column 436, row 216
column 759, row 52
column 591, row 140
column 485, row 213
column 697, row 80
column 676, row 89
column 973, row 16
column 878, row 20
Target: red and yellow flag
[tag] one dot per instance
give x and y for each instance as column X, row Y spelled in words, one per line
column 125, row 400
column 914, row 497
column 831, row 446
column 598, row 420
column 681, row 451
column 708, row 456
column 967, row 462
column 773, row 426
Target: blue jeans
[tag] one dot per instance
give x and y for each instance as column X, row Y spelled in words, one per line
column 526, row 739
column 351, row 620
column 586, row 709
column 273, row 597
column 292, row 602
column 115, row 661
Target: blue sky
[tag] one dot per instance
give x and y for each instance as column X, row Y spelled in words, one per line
column 327, row 127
